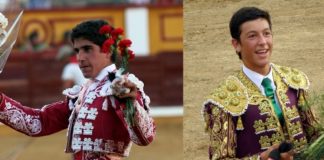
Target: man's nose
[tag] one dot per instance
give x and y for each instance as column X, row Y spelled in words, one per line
column 80, row 56
column 262, row 40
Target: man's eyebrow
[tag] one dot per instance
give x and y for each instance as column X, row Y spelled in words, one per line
column 83, row 47
column 250, row 32
column 253, row 31
column 86, row 47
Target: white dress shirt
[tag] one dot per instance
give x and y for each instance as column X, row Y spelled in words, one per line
column 257, row 78
column 102, row 74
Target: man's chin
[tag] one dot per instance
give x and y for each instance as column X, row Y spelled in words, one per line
column 86, row 75
column 263, row 62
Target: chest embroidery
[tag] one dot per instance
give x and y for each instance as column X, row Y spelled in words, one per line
column 291, row 113
column 267, row 141
column 265, row 107
column 98, row 145
column 90, row 97
column 85, row 129
column 88, row 113
column 271, row 122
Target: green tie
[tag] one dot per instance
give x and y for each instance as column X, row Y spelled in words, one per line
column 266, row 83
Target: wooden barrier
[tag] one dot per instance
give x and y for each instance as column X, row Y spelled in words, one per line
column 35, row 79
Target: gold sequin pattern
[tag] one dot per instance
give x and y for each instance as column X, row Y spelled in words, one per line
column 293, row 77
column 265, row 107
column 266, row 141
column 272, row 124
column 291, row 113
column 248, row 84
column 299, row 144
column 222, row 142
column 294, row 129
column 259, row 126
column 231, row 96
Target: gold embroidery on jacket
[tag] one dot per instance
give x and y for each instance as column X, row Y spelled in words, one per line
column 299, row 144
column 285, row 77
column 291, row 113
column 266, row 141
column 222, row 141
column 293, row 77
column 277, row 138
column 272, row 124
column 265, row 106
column 251, row 88
column 295, row 129
column 259, row 126
column 231, row 96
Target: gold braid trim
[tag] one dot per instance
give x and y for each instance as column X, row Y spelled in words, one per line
column 231, row 96
column 220, row 128
column 292, row 77
column 310, row 123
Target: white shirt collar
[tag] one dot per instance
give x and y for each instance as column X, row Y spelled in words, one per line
column 257, row 78
column 104, row 72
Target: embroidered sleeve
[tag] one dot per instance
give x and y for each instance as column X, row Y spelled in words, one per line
column 143, row 132
column 34, row 122
column 221, row 130
column 308, row 119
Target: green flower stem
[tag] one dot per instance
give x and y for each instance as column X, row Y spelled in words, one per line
column 129, row 112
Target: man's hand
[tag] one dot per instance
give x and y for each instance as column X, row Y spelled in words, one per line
column 284, row 151
column 132, row 90
column 287, row 155
column 265, row 155
column 124, row 88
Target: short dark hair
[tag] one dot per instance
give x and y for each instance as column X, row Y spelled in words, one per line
column 243, row 15
column 89, row 30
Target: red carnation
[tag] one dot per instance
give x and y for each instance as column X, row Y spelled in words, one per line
column 117, row 31
column 122, row 51
column 125, row 43
column 105, row 29
column 131, row 55
column 106, row 45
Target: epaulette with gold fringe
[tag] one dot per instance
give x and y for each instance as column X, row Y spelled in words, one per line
column 292, row 77
column 231, row 96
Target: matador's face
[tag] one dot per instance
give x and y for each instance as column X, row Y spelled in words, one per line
column 90, row 58
column 255, row 44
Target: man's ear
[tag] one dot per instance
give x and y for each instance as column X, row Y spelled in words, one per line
column 236, row 44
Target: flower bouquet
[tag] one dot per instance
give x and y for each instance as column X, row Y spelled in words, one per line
column 117, row 46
